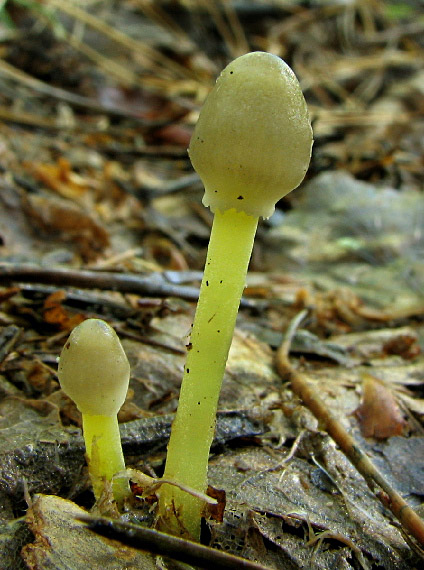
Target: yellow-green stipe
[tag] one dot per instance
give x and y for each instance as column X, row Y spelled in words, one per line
column 104, row 453
column 229, row 252
column 94, row 371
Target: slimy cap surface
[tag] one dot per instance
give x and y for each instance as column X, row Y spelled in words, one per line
column 252, row 143
column 93, row 369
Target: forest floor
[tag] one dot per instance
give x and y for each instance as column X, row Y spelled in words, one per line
column 101, row 216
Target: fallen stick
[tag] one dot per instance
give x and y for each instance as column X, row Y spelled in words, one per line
column 390, row 498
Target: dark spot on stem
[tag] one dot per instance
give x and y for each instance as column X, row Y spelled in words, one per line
column 240, row 198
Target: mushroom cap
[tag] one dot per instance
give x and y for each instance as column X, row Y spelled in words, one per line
column 252, row 143
column 93, row 369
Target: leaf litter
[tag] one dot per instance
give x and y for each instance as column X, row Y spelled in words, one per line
column 97, row 107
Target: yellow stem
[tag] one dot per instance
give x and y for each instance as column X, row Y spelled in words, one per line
column 229, row 252
column 104, row 452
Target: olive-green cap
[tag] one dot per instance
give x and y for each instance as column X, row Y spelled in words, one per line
column 252, row 143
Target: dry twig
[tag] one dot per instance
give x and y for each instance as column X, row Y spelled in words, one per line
column 390, row 498
column 166, row 545
column 9, row 71
column 153, row 285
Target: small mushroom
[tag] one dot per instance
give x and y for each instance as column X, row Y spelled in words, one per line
column 94, row 372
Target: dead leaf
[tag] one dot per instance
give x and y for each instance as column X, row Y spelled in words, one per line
column 216, row 512
column 403, row 345
column 379, row 414
column 59, row 177
column 60, row 541
column 174, row 134
column 40, row 377
column 54, row 313
column 8, row 293
column 55, row 216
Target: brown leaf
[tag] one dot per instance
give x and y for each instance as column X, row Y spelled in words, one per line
column 216, row 512
column 174, row 134
column 60, row 541
column 54, row 216
column 59, row 177
column 404, row 345
column 379, row 414
column 54, row 313
column 8, row 293
column 40, row 376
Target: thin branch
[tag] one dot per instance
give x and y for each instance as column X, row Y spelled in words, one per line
column 11, row 72
column 390, row 498
column 153, row 285
column 221, row 25
column 240, row 39
column 154, row 56
column 166, row 545
column 155, row 12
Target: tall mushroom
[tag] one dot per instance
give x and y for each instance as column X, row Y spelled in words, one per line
column 251, row 146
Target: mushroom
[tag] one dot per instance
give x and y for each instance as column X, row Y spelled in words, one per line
column 94, row 372
column 251, row 146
